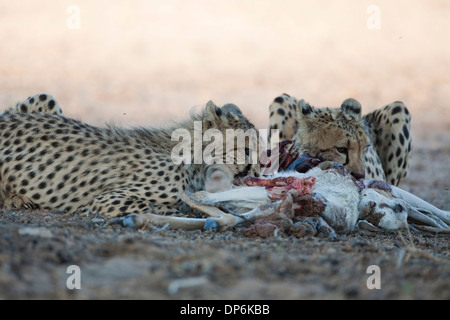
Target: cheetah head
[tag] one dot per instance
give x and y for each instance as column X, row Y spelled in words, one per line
column 336, row 134
column 239, row 141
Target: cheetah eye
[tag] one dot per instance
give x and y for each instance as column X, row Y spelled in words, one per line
column 341, row 149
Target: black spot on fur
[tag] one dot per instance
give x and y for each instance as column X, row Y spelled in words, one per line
column 279, row 99
column 218, row 111
column 306, row 110
column 396, row 110
column 402, row 140
column 405, row 131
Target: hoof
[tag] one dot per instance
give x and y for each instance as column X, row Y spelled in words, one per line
column 211, row 224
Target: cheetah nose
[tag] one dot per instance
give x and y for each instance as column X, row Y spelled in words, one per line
column 358, row 175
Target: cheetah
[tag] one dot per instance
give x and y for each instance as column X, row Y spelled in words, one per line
column 49, row 161
column 374, row 146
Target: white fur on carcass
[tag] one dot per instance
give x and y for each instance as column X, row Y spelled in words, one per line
column 339, row 194
column 377, row 207
column 346, row 206
column 373, row 205
column 370, row 208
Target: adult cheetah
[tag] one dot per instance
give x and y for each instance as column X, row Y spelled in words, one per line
column 49, row 161
column 374, row 146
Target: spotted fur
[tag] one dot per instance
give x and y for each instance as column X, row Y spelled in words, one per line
column 39, row 103
column 374, row 146
column 49, row 161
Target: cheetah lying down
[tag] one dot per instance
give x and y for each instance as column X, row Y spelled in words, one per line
column 370, row 205
column 52, row 162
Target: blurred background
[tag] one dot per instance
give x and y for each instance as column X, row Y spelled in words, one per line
column 147, row 62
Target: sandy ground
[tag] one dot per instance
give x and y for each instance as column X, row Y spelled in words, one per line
column 149, row 62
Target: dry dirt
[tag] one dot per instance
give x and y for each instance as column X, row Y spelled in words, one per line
column 150, row 62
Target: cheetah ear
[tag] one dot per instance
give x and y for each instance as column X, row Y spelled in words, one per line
column 304, row 109
column 211, row 115
column 231, row 112
column 231, row 108
column 352, row 107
